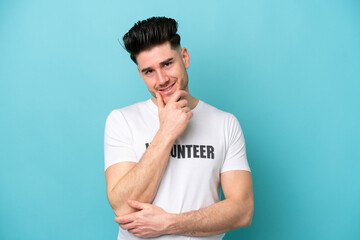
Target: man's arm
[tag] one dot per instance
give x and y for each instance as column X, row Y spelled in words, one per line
column 140, row 181
column 128, row 180
column 232, row 213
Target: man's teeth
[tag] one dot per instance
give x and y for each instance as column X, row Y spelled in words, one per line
column 168, row 88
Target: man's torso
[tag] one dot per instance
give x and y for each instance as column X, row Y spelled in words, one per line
column 191, row 180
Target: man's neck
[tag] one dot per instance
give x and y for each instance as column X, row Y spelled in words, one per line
column 192, row 102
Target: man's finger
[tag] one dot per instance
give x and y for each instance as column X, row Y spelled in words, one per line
column 127, row 226
column 136, row 204
column 177, row 95
column 182, row 103
column 186, row 109
column 159, row 100
column 190, row 114
column 126, row 218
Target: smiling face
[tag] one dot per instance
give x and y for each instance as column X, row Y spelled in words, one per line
column 163, row 69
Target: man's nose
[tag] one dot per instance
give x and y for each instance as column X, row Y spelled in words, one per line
column 162, row 77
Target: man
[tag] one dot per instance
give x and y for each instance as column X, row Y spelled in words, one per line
column 165, row 158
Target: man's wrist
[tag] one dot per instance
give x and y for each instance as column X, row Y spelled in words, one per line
column 165, row 137
column 177, row 225
column 172, row 226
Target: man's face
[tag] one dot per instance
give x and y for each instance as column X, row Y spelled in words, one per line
column 163, row 69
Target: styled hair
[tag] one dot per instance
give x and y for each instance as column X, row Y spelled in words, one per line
column 149, row 33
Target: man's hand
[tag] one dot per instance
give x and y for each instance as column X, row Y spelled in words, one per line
column 175, row 115
column 149, row 221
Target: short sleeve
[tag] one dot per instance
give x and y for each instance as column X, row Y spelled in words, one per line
column 118, row 141
column 235, row 158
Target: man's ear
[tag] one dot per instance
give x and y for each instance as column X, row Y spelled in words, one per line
column 185, row 57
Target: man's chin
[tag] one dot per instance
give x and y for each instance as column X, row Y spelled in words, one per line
column 166, row 97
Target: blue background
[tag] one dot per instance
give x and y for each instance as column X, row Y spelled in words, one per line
column 289, row 71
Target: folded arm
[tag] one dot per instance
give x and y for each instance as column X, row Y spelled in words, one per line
column 232, row 213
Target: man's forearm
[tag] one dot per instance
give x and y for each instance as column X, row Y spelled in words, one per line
column 142, row 181
column 218, row 218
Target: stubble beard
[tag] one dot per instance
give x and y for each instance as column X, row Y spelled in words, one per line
column 185, row 88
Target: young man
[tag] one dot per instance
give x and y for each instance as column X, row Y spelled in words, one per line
column 165, row 158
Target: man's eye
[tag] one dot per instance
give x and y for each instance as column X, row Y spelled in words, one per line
column 167, row 64
column 148, row 72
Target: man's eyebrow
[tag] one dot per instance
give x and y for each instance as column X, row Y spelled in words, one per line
column 145, row 69
column 166, row 61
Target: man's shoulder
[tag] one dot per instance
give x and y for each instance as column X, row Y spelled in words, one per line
column 214, row 111
column 134, row 106
column 133, row 110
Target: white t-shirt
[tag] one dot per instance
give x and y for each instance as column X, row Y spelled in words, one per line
column 212, row 143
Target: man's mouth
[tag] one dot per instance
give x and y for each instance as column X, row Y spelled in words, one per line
column 167, row 90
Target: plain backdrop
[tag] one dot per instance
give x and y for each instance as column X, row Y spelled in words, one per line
column 288, row 70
